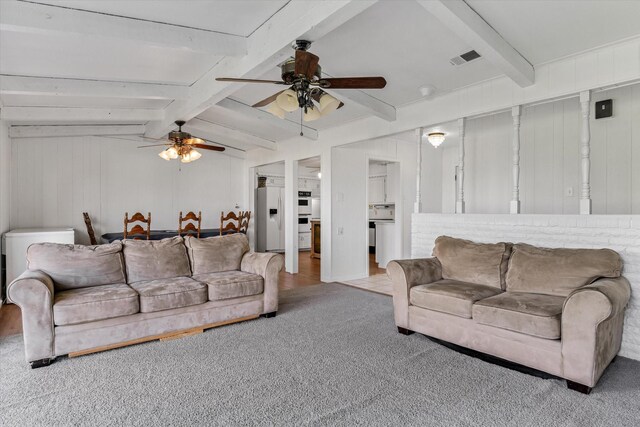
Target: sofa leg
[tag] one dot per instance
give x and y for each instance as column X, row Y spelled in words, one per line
column 40, row 363
column 404, row 331
column 578, row 387
column 269, row 315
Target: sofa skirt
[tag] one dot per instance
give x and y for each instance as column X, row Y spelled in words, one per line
column 538, row 353
column 87, row 336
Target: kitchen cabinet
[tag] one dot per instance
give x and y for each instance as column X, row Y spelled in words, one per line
column 377, row 189
column 304, row 241
column 315, row 239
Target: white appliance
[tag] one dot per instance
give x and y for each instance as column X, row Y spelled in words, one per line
column 16, row 242
column 304, row 202
column 270, row 219
column 315, row 208
column 304, row 232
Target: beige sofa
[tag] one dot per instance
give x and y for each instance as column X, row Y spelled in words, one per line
column 80, row 299
column 560, row 311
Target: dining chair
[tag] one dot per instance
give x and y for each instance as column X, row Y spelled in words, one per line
column 190, row 220
column 245, row 217
column 137, row 230
column 229, row 223
column 90, row 232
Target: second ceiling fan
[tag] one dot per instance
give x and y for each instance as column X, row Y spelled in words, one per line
column 303, row 75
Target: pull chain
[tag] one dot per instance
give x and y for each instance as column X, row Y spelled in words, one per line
column 301, row 134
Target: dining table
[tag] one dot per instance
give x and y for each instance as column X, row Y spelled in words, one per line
column 160, row 234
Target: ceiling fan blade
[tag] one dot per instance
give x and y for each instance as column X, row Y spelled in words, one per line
column 267, row 101
column 194, row 140
column 208, row 147
column 306, row 63
column 152, row 145
column 353, row 83
column 231, row 79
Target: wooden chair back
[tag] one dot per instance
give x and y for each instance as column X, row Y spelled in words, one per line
column 245, row 217
column 191, row 224
column 229, row 223
column 92, row 234
column 137, row 230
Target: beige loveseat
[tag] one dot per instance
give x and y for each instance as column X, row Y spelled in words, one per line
column 80, row 299
column 559, row 311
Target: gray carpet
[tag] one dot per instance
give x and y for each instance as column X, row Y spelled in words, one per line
column 331, row 357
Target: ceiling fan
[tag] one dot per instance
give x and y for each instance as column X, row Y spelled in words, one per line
column 183, row 145
column 303, row 75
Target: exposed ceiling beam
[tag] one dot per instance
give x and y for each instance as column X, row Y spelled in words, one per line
column 473, row 29
column 267, row 47
column 80, row 130
column 47, row 19
column 44, row 115
column 22, row 85
column 247, row 110
column 224, row 135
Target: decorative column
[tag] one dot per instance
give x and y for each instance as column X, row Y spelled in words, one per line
column 417, row 207
column 515, row 198
column 460, row 195
column 585, row 152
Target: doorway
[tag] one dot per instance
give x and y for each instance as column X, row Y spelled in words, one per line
column 309, row 220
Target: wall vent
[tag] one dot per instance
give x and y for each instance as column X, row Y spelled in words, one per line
column 464, row 58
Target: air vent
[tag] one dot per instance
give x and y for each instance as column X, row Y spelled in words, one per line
column 464, row 58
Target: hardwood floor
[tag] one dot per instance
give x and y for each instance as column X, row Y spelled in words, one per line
column 308, row 275
column 10, row 320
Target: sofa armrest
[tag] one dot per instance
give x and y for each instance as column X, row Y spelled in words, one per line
column 405, row 274
column 592, row 319
column 267, row 265
column 33, row 292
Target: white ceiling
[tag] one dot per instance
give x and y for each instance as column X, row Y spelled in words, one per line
column 238, row 17
column 371, row 45
column 543, row 30
column 398, row 40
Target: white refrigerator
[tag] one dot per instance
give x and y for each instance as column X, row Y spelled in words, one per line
column 270, row 219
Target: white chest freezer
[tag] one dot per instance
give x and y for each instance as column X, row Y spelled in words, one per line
column 16, row 242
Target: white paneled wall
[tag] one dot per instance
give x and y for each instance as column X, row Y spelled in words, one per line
column 618, row 232
column 56, row 179
column 550, row 159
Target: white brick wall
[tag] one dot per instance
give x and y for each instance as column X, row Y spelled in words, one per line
column 618, row 232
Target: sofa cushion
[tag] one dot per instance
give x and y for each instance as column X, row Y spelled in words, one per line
column 155, row 259
column 559, row 271
column 94, row 303
column 77, row 266
column 450, row 296
column 467, row 261
column 231, row 284
column 163, row 294
column 214, row 254
column 531, row 314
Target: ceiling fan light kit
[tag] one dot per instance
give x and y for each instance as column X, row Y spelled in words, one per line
column 435, row 138
column 275, row 109
column 328, row 104
column 311, row 114
column 287, row 100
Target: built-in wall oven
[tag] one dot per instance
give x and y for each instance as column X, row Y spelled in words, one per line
column 304, row 223
column 304, row 202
